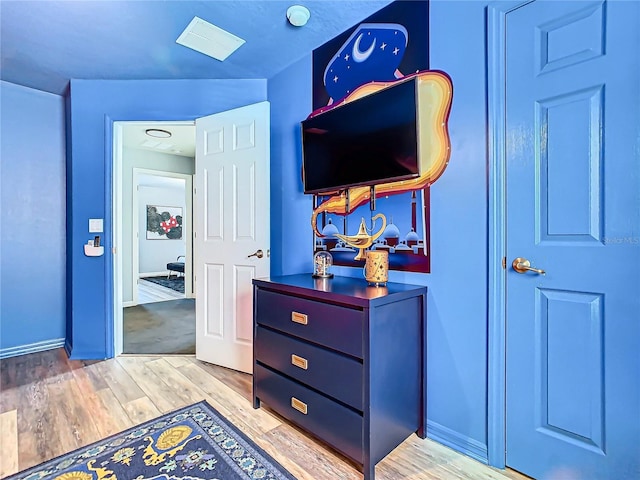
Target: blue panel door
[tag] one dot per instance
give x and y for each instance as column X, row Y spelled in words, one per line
column 573, row 210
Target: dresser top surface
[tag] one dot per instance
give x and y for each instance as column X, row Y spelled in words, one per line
column 338, row 288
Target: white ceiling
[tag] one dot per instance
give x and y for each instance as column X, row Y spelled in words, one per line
column 158, row 181
column 182, row 141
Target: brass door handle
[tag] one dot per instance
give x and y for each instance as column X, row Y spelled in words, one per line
column 257, row 253
column 522, row 265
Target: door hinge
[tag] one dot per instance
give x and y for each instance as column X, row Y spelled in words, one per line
column 504, row 263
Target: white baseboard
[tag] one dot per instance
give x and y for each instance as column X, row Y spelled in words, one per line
column 32, row 348
column 461, row 443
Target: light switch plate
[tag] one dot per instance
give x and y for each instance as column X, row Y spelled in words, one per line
column 96, row 225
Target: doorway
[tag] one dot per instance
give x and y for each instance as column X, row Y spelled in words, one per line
column 233, row 219
column 155, row 311
column 159, row 265
column 563, row 382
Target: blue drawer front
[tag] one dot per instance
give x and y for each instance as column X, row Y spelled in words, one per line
column 333, row 326
column 339, row 426
column 335, row 375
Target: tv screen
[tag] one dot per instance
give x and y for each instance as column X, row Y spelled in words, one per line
column 367, row 141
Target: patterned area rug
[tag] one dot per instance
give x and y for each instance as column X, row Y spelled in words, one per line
column 174, row 283
column 193, row 443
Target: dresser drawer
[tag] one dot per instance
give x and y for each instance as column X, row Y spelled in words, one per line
column 339, row 426
column 332, row 326
column 336, row 375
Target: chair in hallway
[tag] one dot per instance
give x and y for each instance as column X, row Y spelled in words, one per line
column 176, row 266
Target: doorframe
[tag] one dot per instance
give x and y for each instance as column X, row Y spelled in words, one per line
column 114, row 174
column 187, row 231
column 497, row 300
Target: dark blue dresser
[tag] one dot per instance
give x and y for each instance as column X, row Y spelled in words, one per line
column 344, row 361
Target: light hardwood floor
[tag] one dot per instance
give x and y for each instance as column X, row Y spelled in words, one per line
column 149, row 292
column 50, row 405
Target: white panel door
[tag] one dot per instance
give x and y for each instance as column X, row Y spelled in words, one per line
column 231, row 225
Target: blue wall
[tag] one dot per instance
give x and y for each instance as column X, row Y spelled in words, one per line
column 457, row 299
column 457, row 285
column 32, row 226
column 291, row 237
column 94, row 105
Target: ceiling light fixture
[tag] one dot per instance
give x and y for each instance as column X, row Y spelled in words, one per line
column 298, row 15
column 157, row 133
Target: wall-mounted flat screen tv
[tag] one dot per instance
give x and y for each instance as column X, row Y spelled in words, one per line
column 367, row 141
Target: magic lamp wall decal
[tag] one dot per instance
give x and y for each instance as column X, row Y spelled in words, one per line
column 362, row 239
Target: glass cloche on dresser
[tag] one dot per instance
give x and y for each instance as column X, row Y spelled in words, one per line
column 322, row 262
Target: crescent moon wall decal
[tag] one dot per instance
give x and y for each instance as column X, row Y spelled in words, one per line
column 359, row 56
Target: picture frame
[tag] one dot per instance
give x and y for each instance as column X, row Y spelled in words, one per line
column 164, row 223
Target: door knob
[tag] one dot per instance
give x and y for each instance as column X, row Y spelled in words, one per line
column 257, row 253
column 522, row 265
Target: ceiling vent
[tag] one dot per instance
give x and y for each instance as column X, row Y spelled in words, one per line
column 206, row 38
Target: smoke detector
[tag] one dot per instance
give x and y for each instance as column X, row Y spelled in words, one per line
column 298, row 15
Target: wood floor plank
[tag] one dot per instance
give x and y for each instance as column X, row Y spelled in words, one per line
column 163, row 397
column 306, row 457
column 61, row 403
column 238, row 408
column 238, row 381
column 149, row 292
column 62, row 423
column 119, row 417
column 94, row 373
column 82, row 390
column 120, row 382
column 189, row 391
column 9, row 442
column 177, row 361
column 141, row 410
column 9, row 398
column 33, row 425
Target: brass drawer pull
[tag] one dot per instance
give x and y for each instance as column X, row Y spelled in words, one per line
column 299, row 405
column 300, row 318
column 299, row 361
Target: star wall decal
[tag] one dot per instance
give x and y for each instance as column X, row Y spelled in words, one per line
column 358, row 61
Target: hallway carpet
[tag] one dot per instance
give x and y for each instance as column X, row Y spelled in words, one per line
column 161, row 328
